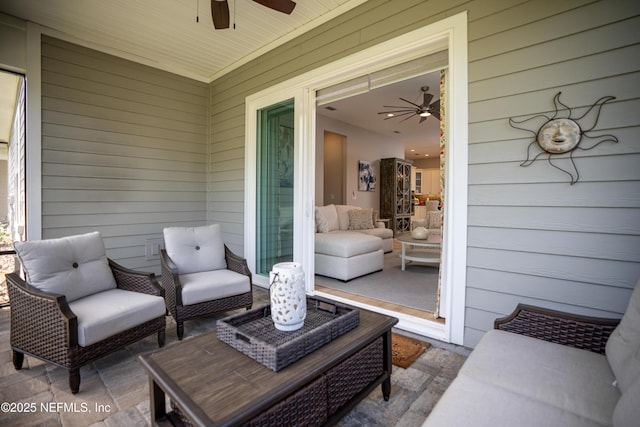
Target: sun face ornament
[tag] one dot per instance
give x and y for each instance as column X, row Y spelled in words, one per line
column 561, row 136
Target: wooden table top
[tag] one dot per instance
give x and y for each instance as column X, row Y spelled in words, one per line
column 211, row 381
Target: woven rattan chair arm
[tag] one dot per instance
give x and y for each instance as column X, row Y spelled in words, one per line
column 134, row 280
column 589, row 333
column 170, row 281
column 236, row 263
column 38, row 315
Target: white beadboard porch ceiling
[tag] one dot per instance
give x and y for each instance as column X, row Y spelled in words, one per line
column 164, row 34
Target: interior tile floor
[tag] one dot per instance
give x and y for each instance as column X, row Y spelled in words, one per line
column 114, row 389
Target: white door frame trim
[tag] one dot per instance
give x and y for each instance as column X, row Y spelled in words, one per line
column 449, row 33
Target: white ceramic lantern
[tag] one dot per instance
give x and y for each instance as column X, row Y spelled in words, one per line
column 287, row 294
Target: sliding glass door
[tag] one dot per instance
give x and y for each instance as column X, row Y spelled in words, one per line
column 274, row 185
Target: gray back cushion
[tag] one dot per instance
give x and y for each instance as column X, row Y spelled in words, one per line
column 623, row 346
column 74, row 266
column 195, row 249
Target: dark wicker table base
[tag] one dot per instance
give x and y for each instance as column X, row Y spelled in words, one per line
column 210, row 383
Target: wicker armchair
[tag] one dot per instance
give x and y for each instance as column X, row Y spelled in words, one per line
column 218, row 289
column 587, row 333
column 44, row 326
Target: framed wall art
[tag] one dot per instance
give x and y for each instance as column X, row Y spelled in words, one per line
column 366, row 176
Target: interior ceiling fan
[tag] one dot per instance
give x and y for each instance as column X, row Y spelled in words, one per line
column 423, row 110
column 220, row 10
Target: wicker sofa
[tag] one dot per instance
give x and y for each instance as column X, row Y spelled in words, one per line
column 541, row 367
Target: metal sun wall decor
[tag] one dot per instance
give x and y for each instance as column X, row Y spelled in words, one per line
column 561, row 136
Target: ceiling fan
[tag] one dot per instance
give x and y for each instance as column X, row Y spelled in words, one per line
column 423, row 110
column 220, row 10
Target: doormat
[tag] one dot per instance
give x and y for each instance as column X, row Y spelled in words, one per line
column 405, row 350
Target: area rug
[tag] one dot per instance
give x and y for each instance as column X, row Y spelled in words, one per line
column 405, row 350
column 415, row 287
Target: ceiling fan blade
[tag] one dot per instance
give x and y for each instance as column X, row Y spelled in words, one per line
column 411, row 103
column 405, row 110
column 284, row 6
column 220, row 14
column 434, row 109
column 408, row 117
column 427, row 99
column 399, row 115
column 402, row 107
column 422, row 119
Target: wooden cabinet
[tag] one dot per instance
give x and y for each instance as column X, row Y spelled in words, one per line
column 395, row 193
column 418, row 181
column 425, row 181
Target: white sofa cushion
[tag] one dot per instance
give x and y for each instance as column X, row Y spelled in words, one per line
column 623, row 346
column 210, row 285
column 383, row 233
column 331, row 215
column 107, row 313
column 345, row 244
column 195, row 249
column 343, row 216
column 74, row 266
column 573, row 380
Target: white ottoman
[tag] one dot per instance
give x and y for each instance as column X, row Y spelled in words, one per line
column 346, row 255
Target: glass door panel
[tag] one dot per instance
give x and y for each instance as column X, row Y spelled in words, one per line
column 274, row 195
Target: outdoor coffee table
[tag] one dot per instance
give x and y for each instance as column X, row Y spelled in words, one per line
column 420, row 250
column 211, row 383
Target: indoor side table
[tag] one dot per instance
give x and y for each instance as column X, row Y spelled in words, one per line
column 420, row 250
column 210, row 383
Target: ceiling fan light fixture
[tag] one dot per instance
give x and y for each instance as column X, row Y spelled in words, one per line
column 423, row 111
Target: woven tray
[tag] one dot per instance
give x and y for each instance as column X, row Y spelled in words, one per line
column 254, row 334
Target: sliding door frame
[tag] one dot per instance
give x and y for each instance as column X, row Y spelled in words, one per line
column 449, row 34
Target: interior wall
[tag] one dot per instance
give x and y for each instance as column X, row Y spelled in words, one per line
column 430, row 163
column 333, row 168
column 361, row 145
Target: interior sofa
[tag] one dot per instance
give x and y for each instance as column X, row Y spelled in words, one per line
column 349, row 241
column 540, row 367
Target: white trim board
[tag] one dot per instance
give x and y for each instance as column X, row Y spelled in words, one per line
column 450, row 34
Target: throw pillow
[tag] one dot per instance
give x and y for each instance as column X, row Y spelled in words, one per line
column 360, row 219
column 74, row 266
column 195, row 249
column 322, row 225
column 329, row 212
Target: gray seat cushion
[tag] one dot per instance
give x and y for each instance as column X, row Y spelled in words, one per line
column 472, row 403
column 211, row 285
column 107, row 313
column 74, row 266
column 576, row 381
